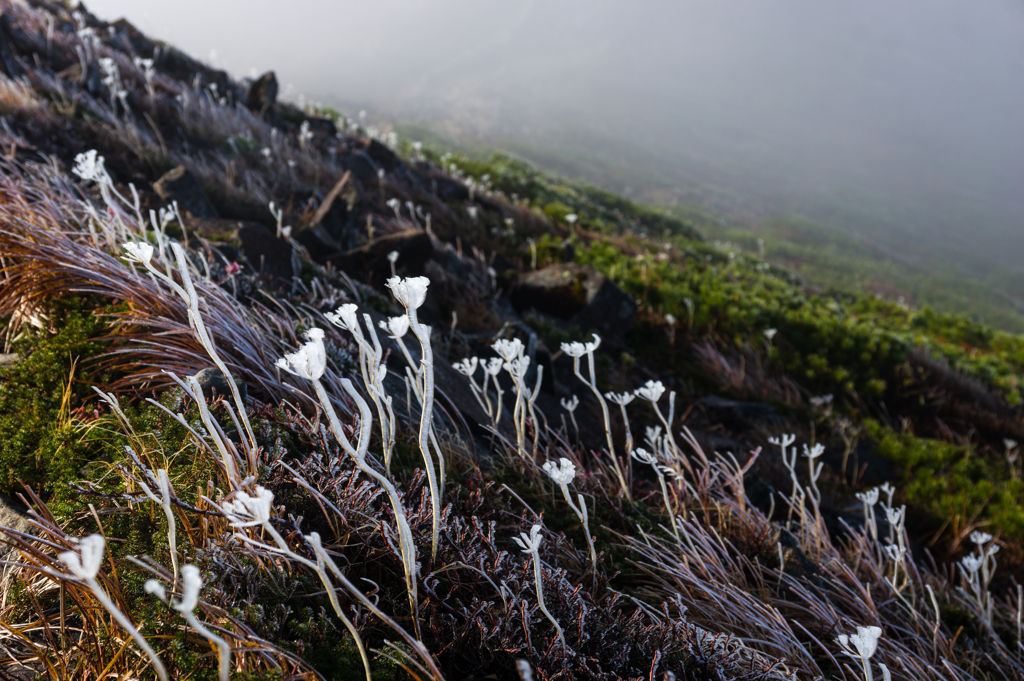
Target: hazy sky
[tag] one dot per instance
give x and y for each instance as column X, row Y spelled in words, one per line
column 891, row 116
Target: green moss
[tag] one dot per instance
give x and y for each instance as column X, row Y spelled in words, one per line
column 953, row 482
column 43, row 444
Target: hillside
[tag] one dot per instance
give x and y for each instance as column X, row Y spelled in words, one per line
column 290, row 397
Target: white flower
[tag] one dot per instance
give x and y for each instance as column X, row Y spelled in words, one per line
column 651, row 391
column 571, row 404
column 980, row 538
column 895, row 553
column 345, row 317
column 309, row 361
column 396, row 326
column 493, row 366
column 255, row 508
column 1009, row 444
column 770, row 333
column 86, row 562
column 467, row 367
column 594, row 344
column 410, row 292
column 670, row 319
column 865, row 641
column 821, row 401
column 531, row 543
column 571, row 218
column 518, row 367
column 508, row 349
column 562, row 472
column 895, row 516
column 643, row 456
column 623, row 399
column 89, row 166
column 192, row 584
column 139, row 251
column 574, row 349
column 393, row 256
column 870, row 497
column 155, row 588
column 972, row 563
column 393, row 204
column 815, row 451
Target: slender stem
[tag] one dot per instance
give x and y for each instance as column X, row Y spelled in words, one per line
column 359, row 456
column 426, row 419
column 126, row 624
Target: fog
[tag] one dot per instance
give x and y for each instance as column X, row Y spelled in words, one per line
column 902, row 120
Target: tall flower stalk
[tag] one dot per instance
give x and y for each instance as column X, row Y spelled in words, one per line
column 310, row 362
column 531, row 544
column 576, row 350
column 411, row 293
column 192, row 584
column 563, row 473
column 85, row 564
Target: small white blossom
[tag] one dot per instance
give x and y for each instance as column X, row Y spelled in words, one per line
column 571, row 218
column 89, row 166
column 623, row 399
column 508, row 349
column 139, row 251
column 247, row 510
column 574, row 349
column 651, row 391
column 570, row 404
column 815, row 451
column 155, row 588
column 396, row 326
column 972, row 563
column 192, row 584
column 594, row 344
column 865, row 641
column 411, row 292
column 643, row 456
column 467, row 367
column 85, row 563
column 531, row 543
column 309, row 361
column 870, row 497
column 393, row 256
column 980, row 538
column 562, row 472
column 345, row 317
column 770, row 333
column 493, row 366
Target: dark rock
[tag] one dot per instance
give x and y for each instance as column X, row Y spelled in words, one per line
column 142, row 45
column 182, row 186
column 266, row 253
column 322, row 127
column 382, row 156
column 213, row 384
column 579, row 295
column 361, row 166
column 369, row 263
column 262, row 93
column 737, row 414
column 8, row 64
column 450, row 190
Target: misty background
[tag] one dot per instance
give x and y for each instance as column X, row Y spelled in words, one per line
column 898, row 121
